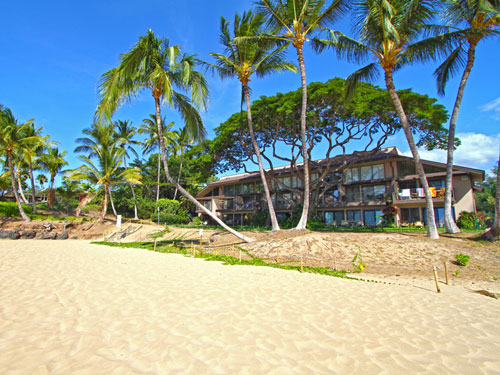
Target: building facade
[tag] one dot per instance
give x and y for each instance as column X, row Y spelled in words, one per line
column 354, row 196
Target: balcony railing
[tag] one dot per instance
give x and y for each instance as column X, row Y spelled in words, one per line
column 418, row 193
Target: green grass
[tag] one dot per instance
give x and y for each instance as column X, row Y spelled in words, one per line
column 171, row 248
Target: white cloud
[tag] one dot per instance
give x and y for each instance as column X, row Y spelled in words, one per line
column 476, row 151
column 494, row 106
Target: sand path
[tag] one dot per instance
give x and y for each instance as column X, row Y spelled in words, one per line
column 73, row 308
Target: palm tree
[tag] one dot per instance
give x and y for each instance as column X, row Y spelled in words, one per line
column 496, row 222
column 298, row 20
column 184, row 140
column 155, row 65
column 42, row 180
column 31, row 154
column 390, row 33
column 106, row 172
column 152, row 143
column 53, row 162
column 476, row 20
column 12, row 140
column 124, row 132
column 249, row 56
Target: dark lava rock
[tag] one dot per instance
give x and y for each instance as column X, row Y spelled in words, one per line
column 13, row 235
column 48, row 236
column 62, row 236
column 4, row 233
column 28, row 234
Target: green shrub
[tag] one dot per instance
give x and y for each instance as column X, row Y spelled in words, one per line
column 170, row 212
column 259, row 219
column 9, row 209
column 196, row 221
column 470, row 220
column 462, row 259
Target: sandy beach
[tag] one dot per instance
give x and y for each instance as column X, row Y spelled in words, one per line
column 69, row 307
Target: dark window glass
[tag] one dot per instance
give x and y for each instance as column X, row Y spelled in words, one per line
column 406, row 168
column 229, row 190
column 354, row 215
column 353, row 194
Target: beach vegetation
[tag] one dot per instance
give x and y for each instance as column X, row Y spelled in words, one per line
column 462, row 259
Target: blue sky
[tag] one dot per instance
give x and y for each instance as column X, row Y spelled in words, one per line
column 54, row 52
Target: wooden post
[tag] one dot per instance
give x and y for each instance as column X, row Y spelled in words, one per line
column 278, row 255
column 154, row 249
column 201, row 241
column 192, row 247
column 335, row 261
column 301, row 263
column 446, row 273
column 215, row 252
column 436, row 280
column 240, row 255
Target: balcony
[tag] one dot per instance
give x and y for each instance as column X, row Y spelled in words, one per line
column 417, row 195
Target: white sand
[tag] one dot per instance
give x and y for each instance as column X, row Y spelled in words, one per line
column 67, row 307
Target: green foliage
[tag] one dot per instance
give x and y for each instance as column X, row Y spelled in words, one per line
column 470, row 220
column 462, row 259
column 357, row 262
column 197, row 221
column 9, row 209
column 258, row 219
column 170, row 212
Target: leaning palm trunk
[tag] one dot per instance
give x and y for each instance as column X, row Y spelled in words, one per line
column 18, row 175
column 104, row 206
column 180, row 188
column 111, row 201
column 51, row 197
column 33, row 191
column 449, row 223
column 131, row 188
column 86, row 200
column 14, row 189
column 158, row 178
column 179, row 176
column 272, row 213
column 303, row 128
column 495, row 231
column 431, row 223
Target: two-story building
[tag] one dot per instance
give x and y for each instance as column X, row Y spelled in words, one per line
column 354, row 195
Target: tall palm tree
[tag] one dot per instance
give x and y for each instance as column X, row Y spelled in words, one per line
column 42, row 180
column 184, row 140
column 106, row 172
column 390, row 32
column 12, row 140
column 476, row 20
column 124, row 132
column 251, row 56
column 152, row 143
column 155, row 65
column 53, row 162
column 297, row 21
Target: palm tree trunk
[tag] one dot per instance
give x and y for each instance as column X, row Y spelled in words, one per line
column 180, row 188
column 303, row 128
column 18, row 175
column 272, row 213
column 104, row 206
column 495, row 231
column 449, row 223
column 131, row 188
column 111, row 201
column 431, row 222
column 179, row 175
column 84, row 202
column 33, row 191
column 158, row 180
column 51, row 197
column 14, row 189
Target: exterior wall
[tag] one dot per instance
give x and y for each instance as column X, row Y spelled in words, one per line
column 464, row 195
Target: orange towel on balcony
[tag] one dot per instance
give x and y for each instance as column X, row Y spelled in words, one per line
column 433, row 192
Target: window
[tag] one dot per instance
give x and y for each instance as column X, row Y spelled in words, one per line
column 248, row 203
column 282, row 202
column 259, row 187
column 285, row 181
column 296, row 182
column 374, row 193
column 237, row 189
column 433, row 169
column 207, row 205
column 228, row 204
column 372, row 172
column 334, row 216
column 229, row 190
column 438, row 184
column 237, row 219
column 228, row 219
column 410, row 215
column 331, row 196
column 332, row 177
column 354, row 215
column 406, row 168
column 351, row 175
column 372, row 217
column 353, row 194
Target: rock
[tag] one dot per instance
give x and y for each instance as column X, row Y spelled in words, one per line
column 28, row 234
column 13, row 235
column 4, row 233
column 48, row 236
column 63, row 236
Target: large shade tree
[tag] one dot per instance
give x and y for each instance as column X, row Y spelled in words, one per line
column 159, row 67
column 297, row 21
column 391, row 34
column 260, row 57
column 476, row 20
